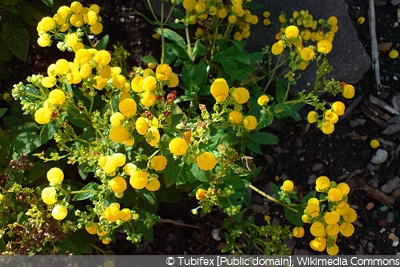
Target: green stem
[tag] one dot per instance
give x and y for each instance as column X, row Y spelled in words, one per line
column 252, row 187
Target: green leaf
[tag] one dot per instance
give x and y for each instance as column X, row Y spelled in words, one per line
column 16, row 38
column 253, row 146
column 294, row 214
column 147, row 195
column 29, row 13
column 5, row 144
column 263, row 138
column 172, row 36
column 4, row 73
column 47, row 132
column 39, row 170
column 48, row 3
column 283, row 110
column 149, row 59
column 88, row 191
column 2, row 111
column 102, row 44
column 199, row 174
column 25, row 139
column 280, row 93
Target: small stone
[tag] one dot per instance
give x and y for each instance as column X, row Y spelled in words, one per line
column 215, row 234
column 370, row 247
column 390, row 217
column 317, row 167
column 311, row 179
column 370, row 206
column 391, row 185
column 395, row 243
column 382, row 223
column 380, row 156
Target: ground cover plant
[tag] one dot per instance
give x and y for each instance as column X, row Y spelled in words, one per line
column 184, row 124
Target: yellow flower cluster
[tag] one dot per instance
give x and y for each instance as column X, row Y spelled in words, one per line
column 56, row 98
column 306, row 34
column 66, row 17
column 113, row 213
column 326, row 121
column 237, row 96
column 327, row 224
column 234, row 15
column 149, row 84
column 49, row 195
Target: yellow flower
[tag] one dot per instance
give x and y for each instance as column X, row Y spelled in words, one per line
column 49, row 195
column 263, row 100
column 43, row 115
column 178, row 146
column 322, row 183
column 324, row 46
column 189, row 5
column 108, row 164
column 307, row 54
column 62, row 67
column 46, row 24
column 76, row 20
column 345, row 188
column 173, row 80
column 219, row 89
column 335, row 194
column 277, row 48
column 149, row 83
column 241, row 95
column 327, row 127
column 153, row 185
column 350, row 216
column 338, row 107
column 71, row 39
column 74, row 76
column 235, row 117
column 332, row 217
column 59, row 212
column 119, row 134
column 44, row 40
column 346, row 229
column 158, row 162
column 116, row 118
column 141, row 126
column 292, row 31
column 374, row 143
column 348, row 91
column 112, row 212
column 117, row 184
column 120, row 159
column 317, row 229
column 148, row 99
column 137, row 84
column 312, row 116
column 360, row 20
column 102, row 57
column 118, row 81
column 76, row 7
column 298, row 232
column 312, row 207
column 343, row 208
column 163, row 72
column 96, row 28
column 128, row 107
column 56, row 97
column 55, row 175
column 129, row 168
column 332, row 229
column 91, row 228
column 125, row 214
column 331, row 116
column 318, row 244
column 250, row 122
column 393, row 54
column 332, row 250
column 85, row 70
column 91, row 17
column 200, row 194
column 287, row 186
column 206, row 161
column 139, row 179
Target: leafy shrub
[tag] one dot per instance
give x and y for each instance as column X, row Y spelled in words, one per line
column 185, row 124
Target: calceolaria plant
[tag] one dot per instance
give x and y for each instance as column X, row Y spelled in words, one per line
column 180, row 124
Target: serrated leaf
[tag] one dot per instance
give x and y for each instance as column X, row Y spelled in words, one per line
column 88, row 191
column 16, row 38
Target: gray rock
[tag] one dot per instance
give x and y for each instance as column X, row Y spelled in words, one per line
column 391, row 185
column 348, row 57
